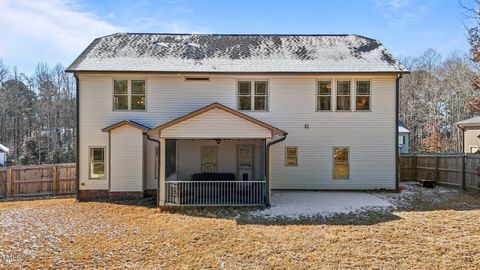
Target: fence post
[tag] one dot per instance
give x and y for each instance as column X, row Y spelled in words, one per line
column 437, row 167
column 464, row 168
column 9, row 184
column 54, row 180
column 414, row 164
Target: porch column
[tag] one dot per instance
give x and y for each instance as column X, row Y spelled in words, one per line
column 269, row 177
column 161, row 175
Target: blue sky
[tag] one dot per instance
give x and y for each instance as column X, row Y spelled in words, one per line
column 56, row 31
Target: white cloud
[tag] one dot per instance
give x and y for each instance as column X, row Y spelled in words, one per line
column 396, row 4
column 49, row 31
column 401, row 13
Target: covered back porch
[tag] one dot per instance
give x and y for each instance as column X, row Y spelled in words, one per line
column 215, row 156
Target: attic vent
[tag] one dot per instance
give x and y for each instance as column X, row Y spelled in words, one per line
column 197, row 78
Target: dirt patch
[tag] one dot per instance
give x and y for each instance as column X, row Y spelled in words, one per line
column 428, row 231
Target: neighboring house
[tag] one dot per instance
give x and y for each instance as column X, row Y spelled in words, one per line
column 403, row 138
column 471, row 134
column 3, row 155
column 224, row 119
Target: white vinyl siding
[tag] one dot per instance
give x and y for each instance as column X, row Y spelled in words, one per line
column 216, row 123
column 471, row 140
column 292, row 103
column 126, row 159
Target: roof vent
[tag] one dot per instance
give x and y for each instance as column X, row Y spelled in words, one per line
column 197, row 78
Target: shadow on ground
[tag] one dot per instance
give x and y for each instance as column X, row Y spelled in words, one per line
column 413, row 198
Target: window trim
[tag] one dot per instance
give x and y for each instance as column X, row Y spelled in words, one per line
column 333, row 163
column 337, row 95
column 286, row 156
column 252, row 94
column 104, row 163
column 317, row 94
column 129, row 93
column 369, row 96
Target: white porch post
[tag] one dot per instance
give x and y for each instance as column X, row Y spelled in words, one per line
column 161, row 175
column 269, row 177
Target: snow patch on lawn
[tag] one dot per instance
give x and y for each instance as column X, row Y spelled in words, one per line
column 304, row 204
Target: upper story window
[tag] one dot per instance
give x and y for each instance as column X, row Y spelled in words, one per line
column 343, row 95
column 324, row 96
column 256, row 100
column 363, row 96
column 129, row 95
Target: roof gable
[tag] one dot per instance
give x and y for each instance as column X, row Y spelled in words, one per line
column 235, row 53
column 474, row 121
column 233, row 115
column 126, row 122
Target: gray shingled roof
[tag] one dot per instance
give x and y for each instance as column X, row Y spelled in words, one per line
column 474, row 121
column 235, row 53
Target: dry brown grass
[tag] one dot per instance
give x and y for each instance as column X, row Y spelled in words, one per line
column 63, row 233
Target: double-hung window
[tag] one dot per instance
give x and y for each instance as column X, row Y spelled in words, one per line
column 97, row 163
column 341, row 163
column 256, row 100
column 291, row 156
column 343, row 95
column 324, row 96
column 363, row 96
column 129, row 95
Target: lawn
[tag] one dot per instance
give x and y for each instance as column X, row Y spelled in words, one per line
column 426, row 229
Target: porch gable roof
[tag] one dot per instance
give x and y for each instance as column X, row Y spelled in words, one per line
column 272, row 130
column 126, row 122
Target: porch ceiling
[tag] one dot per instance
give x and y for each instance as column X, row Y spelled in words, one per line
column 216, row 121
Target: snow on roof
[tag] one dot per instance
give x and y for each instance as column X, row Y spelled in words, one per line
column 236, row 53
column 402, row 127
column 474, row 121
column 3, row 148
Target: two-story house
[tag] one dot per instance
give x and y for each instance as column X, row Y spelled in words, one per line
column 225, row 119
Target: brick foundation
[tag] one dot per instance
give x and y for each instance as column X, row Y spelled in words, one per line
column 92, row 195
column 126, row 195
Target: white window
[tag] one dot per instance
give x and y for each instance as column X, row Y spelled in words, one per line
column 343, row 95
column 401, row 139
column 97, row 163
column 324, row 96
column 291, row 156
column 256, row 101
column 341, row 163
column 363, row 96
column 473, row 148
column 129, row 96
column 209, row 158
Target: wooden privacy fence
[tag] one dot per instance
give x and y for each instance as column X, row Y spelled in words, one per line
column 38, row 180
column 461, row 170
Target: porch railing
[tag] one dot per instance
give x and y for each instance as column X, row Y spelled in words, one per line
column 215, row 193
